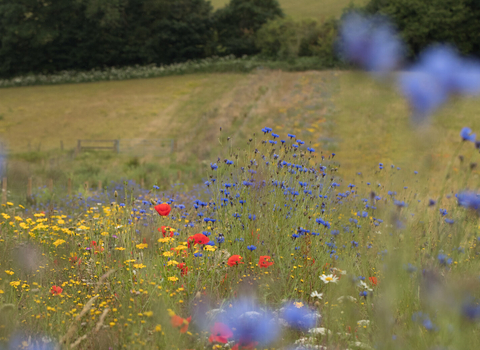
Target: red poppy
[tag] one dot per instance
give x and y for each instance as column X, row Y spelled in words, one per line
column 56, row 290
column 74, row 259
column 198, row 238
column 234, row 260
column 264, row 261
column 163, row 209
column 373, row 280
column 166, row 230
column 183, row 267
column 220, row 333
column 178, row 321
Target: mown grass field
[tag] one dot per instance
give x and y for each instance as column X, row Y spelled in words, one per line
column 318, row 9
column 364, row 121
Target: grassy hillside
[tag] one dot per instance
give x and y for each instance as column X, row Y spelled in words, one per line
column 347, row 113
column 299, row 9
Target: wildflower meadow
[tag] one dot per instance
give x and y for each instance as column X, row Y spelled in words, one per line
column 274, row 249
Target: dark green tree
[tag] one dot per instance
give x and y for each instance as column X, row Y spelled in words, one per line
column 422, row 23
column 237, row 24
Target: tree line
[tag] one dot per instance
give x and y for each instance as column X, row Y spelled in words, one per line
column 45, row 36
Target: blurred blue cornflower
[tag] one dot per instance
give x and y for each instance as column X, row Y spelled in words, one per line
column 444, row 260
column 299, row 316
column 251, row 248
column 370, row 42
column 249, row 323
column 469, row 200
column 466, row 135
column 439, row 73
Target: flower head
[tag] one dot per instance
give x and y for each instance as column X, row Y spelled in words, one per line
column 466, row 135
column 163, row 209
column 56, row 290
column 329, row 278
column 234, row 260
column 264, row 261
column 299, row 317
column 198, row 238
column 370, row 42
column 179, row 322
column 469, row 200
column 220, row 333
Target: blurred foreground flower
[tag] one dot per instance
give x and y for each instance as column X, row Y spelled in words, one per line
column 299, row 316
column 220, row 333
column 439, row 73
column 469, row 200
column 370, row 42
column 179, row 322
column 250, row 324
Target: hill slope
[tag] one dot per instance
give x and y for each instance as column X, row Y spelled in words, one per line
column 298, row 9
column 363, row 122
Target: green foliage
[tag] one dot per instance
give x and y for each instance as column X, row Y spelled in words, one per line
column 422, row 23
column 43, row 37
column 286, row 39
column 238, row 22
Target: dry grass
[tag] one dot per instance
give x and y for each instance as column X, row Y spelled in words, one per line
column 363, row 121
column 300, row 9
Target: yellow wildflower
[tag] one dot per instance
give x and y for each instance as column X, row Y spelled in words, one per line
column 58, row 242
column 142, row 246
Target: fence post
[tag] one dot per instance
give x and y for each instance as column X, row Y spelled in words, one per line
column 79, row 146
column 99, row 186
column 117, row 146
column 4, row 190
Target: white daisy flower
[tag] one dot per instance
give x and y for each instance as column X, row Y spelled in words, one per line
column 364, row 286
column 316, row 294
column 329, row 278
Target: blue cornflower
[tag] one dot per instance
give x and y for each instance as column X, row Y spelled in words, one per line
column 229, row 162
column 363, row 294
column 214, row 166
column 471, row 311
column 299, row 317
column 466, row 135
column 444, row 260
column 250, row 323
column 439, row 73
column 251, row 248
column 300, row 142
column 370, row 42
column 443, row 212
column 275, row 136
column 469, row 200
column 155, row 187
column 449, row 221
